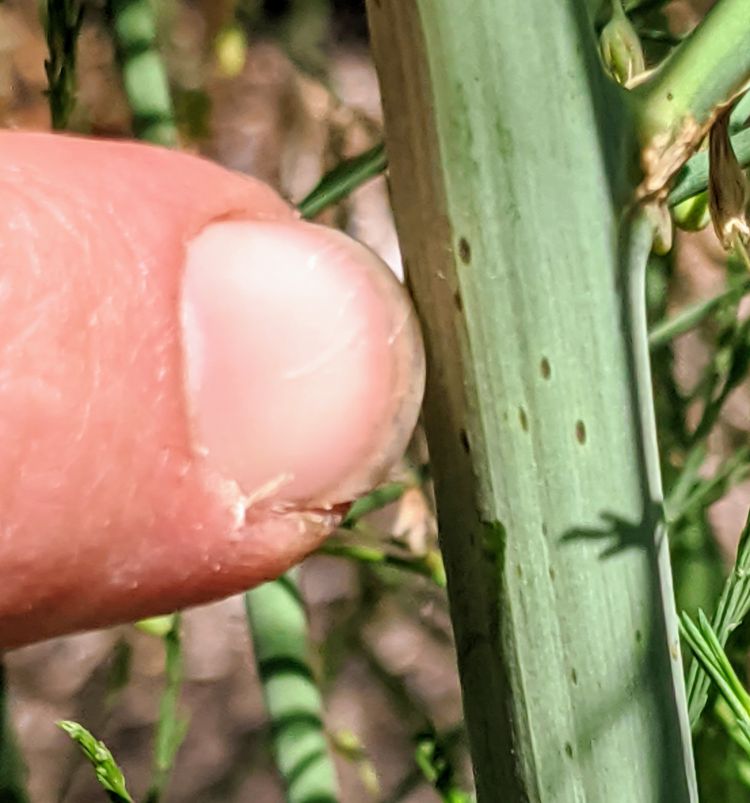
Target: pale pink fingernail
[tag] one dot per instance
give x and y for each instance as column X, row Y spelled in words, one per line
column 304, row 364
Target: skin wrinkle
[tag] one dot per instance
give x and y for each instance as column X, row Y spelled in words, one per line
column 54, row 209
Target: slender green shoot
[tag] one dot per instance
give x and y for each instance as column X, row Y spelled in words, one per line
column 107, row 771
column 343, row 180
column 382, row 496
column 733, row 606
column 357, row 541
column 724, row 715
column 693, row 315
column 376, row 500
column 278, row 625
column 63, row 23
column 12, row 770
column 171, row 727
column 133, row 28
column 683, row 486
column 705, row 492
column 726, row 372
column 429, row 565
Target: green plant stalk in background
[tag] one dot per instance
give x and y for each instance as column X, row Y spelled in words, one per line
column 693, row 315
column 278, row 626
column 527, row 271
column 171, row 728
column 12, row 769
column 133, row 26
column 63, row 25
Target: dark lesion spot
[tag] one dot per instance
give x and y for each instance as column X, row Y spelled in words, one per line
column 523, row 419
column 464, row 437
column 568, row 749
column 552, row 574
column 574, row 676
column 580, row 432
column 464, row 250
column 458, row 301
column 545, row 369
column 638, row 637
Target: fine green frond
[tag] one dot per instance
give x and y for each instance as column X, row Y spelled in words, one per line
column 733, row 606
column 107, row 772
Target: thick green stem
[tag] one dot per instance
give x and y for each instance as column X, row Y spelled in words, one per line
column 677, row 106
column 528, row 276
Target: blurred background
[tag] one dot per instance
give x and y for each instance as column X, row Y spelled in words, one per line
column 284, row 90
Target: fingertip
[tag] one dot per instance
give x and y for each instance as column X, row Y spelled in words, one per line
column 303, row 361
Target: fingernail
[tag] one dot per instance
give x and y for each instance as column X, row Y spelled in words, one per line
column 304, row 367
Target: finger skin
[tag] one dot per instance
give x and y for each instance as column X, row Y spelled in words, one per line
column 107, row 511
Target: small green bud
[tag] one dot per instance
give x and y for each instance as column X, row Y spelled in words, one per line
column 157, row 625
column 662, row 223
column 230, row 47
column 621, row 47
column 692, row 214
